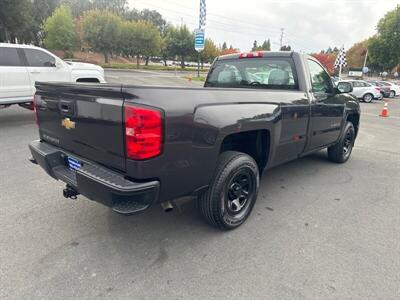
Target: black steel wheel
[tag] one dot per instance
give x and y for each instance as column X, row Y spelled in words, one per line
column 341, row 151
column 232, row 193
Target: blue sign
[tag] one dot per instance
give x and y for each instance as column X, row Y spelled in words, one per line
column 199, row 40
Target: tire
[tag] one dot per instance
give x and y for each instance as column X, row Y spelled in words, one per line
column 232, row 193
column 341, row 151
column 368, row 98
column 392, row 94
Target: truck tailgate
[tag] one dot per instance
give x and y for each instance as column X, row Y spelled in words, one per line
column 85, row 119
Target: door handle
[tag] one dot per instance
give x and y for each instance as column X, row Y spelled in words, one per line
column 35, row 72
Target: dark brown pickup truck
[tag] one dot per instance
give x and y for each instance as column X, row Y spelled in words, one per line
column 130, row 147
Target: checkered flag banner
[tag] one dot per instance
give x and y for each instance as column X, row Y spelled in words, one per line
column 341, row 59
column 203, row 12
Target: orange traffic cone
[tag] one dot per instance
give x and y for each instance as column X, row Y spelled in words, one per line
column 385, row 111
column 190, row 78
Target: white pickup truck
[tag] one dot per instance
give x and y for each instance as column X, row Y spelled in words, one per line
column 22, row 65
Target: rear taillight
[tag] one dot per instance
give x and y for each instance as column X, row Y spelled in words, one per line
column 34, row 104
column 251, row 55
column 378, row 89
column 143, row 132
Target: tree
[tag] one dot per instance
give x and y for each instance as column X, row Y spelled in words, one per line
column 224, row 46
column 266, row 46
column 384, row 50
column 254, row 46
column 210, row 51
column 16, row 21
column 154, row 17
column 41, row 10
column 59, row 30
column 229, row 50
column 356, row 54
column 78, row 7
column 147, row 39
column 180, row 42
column 286, row 48
column 378, row 54
column 101, row 30
column 327, row 60
column 117, row 7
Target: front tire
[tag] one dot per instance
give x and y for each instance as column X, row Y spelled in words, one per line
column 392, row 94
column 232, row 193
column 341, row 151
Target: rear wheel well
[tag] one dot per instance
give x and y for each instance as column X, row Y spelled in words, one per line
column 87, row 80
column 254, row 143
column 355, row 119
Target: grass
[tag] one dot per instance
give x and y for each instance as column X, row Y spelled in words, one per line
column 150, row 67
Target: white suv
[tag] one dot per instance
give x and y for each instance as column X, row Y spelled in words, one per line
column 22, row 65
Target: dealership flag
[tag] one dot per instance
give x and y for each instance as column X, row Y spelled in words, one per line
column 341, row 59
column 203, row 12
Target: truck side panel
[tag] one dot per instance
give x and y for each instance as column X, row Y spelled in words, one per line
column 198, row 120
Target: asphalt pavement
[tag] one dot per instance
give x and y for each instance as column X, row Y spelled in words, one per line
column 145, row 77
column 319, row 230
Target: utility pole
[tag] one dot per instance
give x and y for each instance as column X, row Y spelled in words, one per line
column 365, row 59
column 281, row 43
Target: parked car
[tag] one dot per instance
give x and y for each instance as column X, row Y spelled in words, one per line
column 364, row 90
column 384, row 88
column 22, row 65
column 131, row 147
column 394, row 88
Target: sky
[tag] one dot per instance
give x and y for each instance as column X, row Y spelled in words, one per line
column 308, row 26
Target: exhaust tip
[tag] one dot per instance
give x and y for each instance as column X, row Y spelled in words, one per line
column 167, row 206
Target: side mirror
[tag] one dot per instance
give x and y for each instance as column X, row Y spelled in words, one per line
column 345, row 87
column 58, row 63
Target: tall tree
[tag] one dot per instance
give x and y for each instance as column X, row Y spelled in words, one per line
column 59, row 30
column 78, row 7
column 255, row 46
column 154, row 17
column 41, row 10
column 229, row 50
column 180, row 42
column 384, row 46
column 117, row 7
column 148, row 40
column 224, row 46
column 210, row 51
column 16, row 21
column 266, row 46
column 327, row 60
column 101, row 30
column 286, row 48
column 356, row 54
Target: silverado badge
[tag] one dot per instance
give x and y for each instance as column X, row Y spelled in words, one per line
column 67, row 123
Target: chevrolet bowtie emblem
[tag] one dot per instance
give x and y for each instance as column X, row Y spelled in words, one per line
column 68, row 124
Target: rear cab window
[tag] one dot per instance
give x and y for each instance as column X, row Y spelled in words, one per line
column 264, row 73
